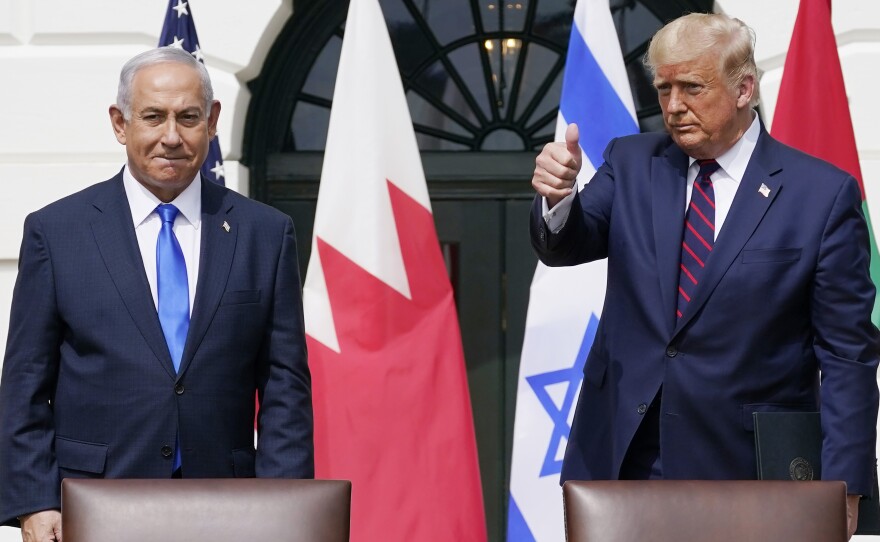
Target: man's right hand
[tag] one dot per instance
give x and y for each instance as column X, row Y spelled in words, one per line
column 557, row 166
column 42, row 526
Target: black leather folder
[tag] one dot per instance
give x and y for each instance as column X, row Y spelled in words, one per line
column 788, row 446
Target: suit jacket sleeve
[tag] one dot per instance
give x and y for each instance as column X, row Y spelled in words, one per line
column 846, row 344
column 29, row 479
column 285, row 426
column 584, row 237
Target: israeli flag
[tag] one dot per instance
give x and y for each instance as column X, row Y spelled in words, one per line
column 565, row 303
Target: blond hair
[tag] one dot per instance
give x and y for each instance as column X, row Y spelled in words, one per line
column 688, row 37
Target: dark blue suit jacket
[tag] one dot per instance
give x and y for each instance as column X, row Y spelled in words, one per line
column 88, row 386
column 785, row 294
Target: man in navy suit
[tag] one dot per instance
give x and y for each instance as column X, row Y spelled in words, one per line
column 737, row 280
column 91, row 387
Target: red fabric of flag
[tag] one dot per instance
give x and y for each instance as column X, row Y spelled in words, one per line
column 812, row 111
column 391, row 401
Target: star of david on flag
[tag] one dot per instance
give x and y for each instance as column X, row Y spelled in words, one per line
column 557, row 391
column 179, row 31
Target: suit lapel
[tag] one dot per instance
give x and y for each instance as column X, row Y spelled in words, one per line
column 748, row 208
column 215, row 261
column 668, row 189
column 114, row 233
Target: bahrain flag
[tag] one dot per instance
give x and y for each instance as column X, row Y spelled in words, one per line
column 392, row 410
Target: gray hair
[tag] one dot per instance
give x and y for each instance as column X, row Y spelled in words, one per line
column 695, row 34
column 152, row 57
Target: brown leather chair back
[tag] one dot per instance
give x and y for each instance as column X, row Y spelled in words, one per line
column 218, row 510
column 716, row 511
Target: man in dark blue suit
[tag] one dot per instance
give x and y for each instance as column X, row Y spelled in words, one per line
column 737, row 280
column 148, row 311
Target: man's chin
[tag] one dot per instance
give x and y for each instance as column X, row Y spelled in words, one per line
column 689, row 143
column 174, row 176
column 168, row 179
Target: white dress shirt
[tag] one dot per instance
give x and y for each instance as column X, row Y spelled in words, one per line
column 186, row 228
column 725, row 181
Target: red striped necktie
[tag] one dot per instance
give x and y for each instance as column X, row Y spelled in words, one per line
column 699, row 234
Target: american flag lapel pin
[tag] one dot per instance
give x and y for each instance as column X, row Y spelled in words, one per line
column 226, row 226
column 764, row 190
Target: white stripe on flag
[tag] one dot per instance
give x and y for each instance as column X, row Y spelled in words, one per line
column 565, row 303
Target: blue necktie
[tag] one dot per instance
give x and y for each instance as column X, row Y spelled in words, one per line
column 699, row 234
column 173, row 292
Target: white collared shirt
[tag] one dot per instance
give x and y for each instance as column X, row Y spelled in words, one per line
column 147, row 224
column 725, row 181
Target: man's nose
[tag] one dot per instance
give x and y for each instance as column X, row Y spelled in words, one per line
column 676, row 102
column 171, row 135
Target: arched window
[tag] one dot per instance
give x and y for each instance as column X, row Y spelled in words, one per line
column 479, row 75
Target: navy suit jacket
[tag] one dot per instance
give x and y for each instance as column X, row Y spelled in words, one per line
column 786, row 294
column 88, row 386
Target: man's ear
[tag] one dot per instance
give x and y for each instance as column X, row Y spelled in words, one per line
column 117, row 121
column 745, row 90
column 212, row 119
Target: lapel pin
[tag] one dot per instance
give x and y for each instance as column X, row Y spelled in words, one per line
column 226, row 226
column 764, row 190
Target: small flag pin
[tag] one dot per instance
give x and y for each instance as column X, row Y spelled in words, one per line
column 227, row 228
column 764, row 190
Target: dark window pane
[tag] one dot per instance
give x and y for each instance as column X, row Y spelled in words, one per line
column 549, row 101
column 514, row 14
column 548, row 131
column 489, row 14
column 449, row 19
column 503, row 55
column 322, row 77
column 539, row 62
column 411, row 47
column 553, row 20
column 436, row 83
column 309, row 125
column 425, row 113
column 466, row 61
column 635, row 24
column 503, row 140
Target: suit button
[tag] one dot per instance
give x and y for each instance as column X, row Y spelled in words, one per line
column 671, row 352
column 179, row 389
column 642, row 408
column 167, row 451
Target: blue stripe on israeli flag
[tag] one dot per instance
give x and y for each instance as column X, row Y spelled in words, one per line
column 589, row 100
column 565, row 303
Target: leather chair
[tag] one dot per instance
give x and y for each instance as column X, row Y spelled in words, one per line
column 716, row 511
column 218, row 510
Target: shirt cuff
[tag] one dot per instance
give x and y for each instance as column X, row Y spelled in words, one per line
column 556, row 217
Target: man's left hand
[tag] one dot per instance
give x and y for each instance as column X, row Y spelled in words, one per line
column 852, row 514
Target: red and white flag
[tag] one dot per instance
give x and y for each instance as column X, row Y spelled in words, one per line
column 392, row 410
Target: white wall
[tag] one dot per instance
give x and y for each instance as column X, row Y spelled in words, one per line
column 59, row 62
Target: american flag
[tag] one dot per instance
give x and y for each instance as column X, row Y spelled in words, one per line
column 179, row 31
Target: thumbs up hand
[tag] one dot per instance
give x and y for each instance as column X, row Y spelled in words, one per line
column 557, row 166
